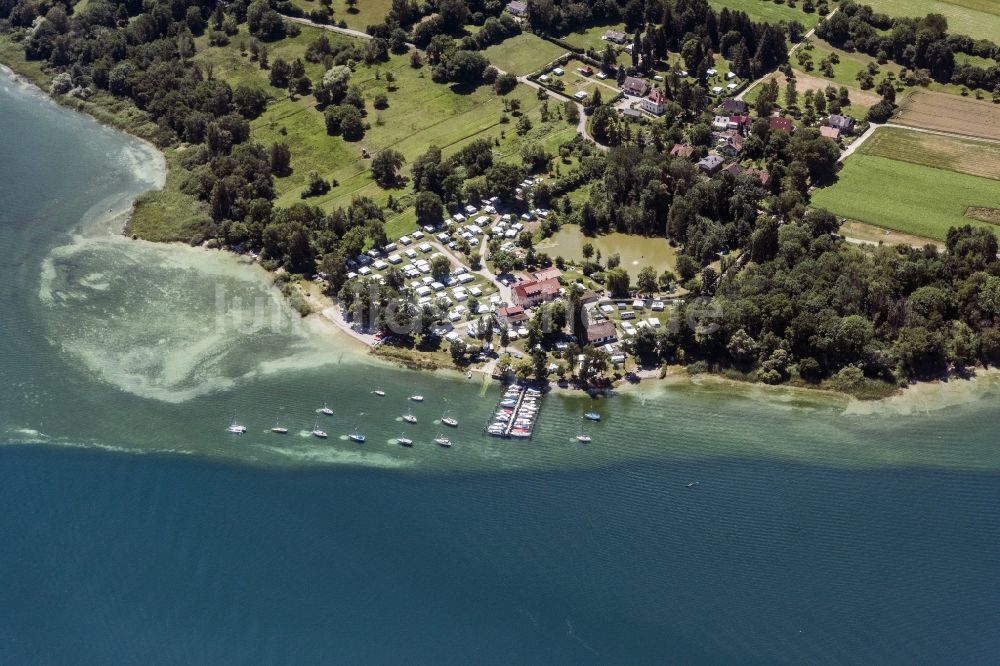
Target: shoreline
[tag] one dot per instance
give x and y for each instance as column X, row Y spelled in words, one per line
column 917, row 397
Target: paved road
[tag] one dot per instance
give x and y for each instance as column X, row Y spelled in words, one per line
column 790, row 52
column 857, row 142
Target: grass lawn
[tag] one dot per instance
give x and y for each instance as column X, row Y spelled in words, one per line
column 976, row 158
column 906, row 197
column 523, row 54
column 769, row 12
column 590, row 38
column 367, row 12
column 421, row 113
column 976, row 18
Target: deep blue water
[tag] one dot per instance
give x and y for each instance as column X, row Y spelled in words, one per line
column 870, row 550
column 112, row 558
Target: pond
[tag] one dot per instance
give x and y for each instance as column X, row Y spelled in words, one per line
column 636, row 252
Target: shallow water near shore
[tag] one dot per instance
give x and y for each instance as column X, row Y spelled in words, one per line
column 820, row 530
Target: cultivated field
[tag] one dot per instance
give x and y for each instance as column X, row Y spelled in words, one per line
column 769, row 12
column 949, row 113
column 523, row 54
column 976, row 18
column 906, row 197
column 976, row 158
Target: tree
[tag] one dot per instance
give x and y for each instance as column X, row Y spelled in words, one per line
column 221, row 200
column 646, row 282
column 429, row 208
column 249, row 101
column 280, row 159
column 617, row 281
column 742, row 347
column 385, row 167
column 440, row 268
column 454, row 14
column 280, row 72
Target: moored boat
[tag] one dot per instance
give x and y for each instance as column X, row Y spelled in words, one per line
column 441, row 440
column 417, row 398
column 593, row 416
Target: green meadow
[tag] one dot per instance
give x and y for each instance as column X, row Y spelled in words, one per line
column 907, row 197
column 976, row 18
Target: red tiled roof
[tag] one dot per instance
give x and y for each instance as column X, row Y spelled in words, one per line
column 682, row 150
column 547, row 274
column 543, row 288
column 781, row 124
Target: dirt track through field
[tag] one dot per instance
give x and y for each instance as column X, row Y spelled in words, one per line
column 950, row 113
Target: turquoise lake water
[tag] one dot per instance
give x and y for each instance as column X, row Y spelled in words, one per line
column 135, row 530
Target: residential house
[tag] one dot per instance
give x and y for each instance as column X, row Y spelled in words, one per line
column 732, row 145
column 655, row 103
column 710, row 165
column 511, row 316
column 631, row 114
column 601, row 333
column 734, row 169
column 517, row 8
column 682, row 150
column 615, row 36
column 550, row 273
column 720, row 123
column 530, row 294
column 740, row 123
column 781, row 124
column 764, row 176
column 843, row 123
column 635, row 86
column 830, row 132
column 734, row 107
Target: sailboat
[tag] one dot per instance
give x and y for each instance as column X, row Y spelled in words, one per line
column 316, row 432
column 236, row 428
column 592, row 416
column 356, row 436
column 417, row 398
column 584, row 438
column 449, row 421
column 404, row 440
column 379, row 392
column 326, row 410
column 409, row 417
column 279, row 429
column 441, row 440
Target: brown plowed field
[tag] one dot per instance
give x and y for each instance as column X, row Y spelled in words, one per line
column 950, row 113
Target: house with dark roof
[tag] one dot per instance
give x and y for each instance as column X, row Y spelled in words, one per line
column 517, row 8
column 635, row 86
column 781, row 124
column 710, row 165
column 615, row 36
column 601, row 333
column 733, row 169
column 682, row 150
column 530, row 294
column 734, row 107
column 631, row 114
column 843, row 123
